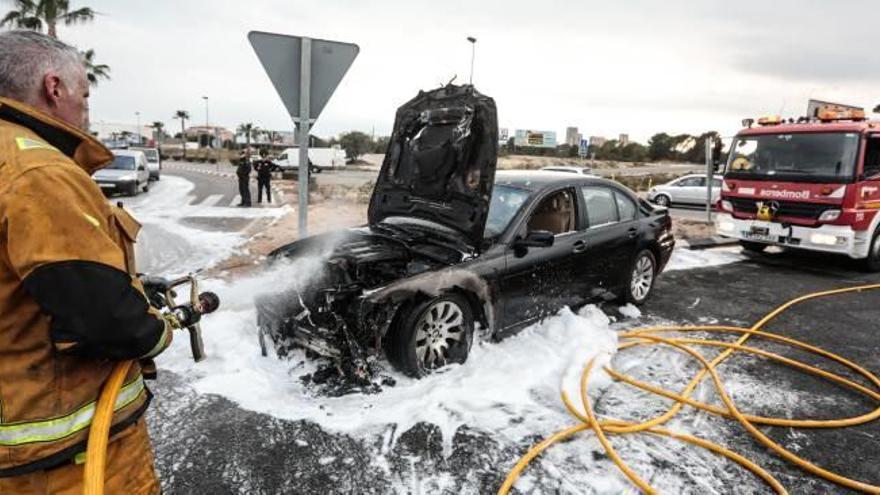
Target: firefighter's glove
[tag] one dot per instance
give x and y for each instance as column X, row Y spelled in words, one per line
column 172, row 320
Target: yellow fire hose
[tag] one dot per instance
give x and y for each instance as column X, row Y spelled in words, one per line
column 648, row 336
column 99, row 434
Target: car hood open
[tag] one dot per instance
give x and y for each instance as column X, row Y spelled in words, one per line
column 440, row 162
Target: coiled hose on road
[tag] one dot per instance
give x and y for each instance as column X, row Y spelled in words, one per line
column 649, row 336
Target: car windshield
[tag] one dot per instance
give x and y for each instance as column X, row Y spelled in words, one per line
column 506, row 202
column 813, row 157
column 152, row 156
column 122, row 163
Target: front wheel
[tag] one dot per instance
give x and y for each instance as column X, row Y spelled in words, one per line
column 662, row 200
column 431, row 334
column 641, row 278
column 872, row 262
column 133, row 189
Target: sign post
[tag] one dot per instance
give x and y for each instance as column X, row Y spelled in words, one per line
column 710, row 176
column 305, row 73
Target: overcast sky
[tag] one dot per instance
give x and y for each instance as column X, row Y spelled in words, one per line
column 633, row 66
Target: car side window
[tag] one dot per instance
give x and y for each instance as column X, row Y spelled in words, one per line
column 601, row 206
column 689, row 182
column 625, row 207
column 283, row 157
column 716, row 183
column 555, row 213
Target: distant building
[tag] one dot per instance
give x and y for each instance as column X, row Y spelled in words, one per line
column 221, row 133
column 597, row 141
column 623, row 140
column 571, row 136
column 503, row 135
column 535, row 139
column 117, row 131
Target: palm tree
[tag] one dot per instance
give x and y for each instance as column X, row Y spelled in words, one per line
column 157, row 128
column 94, row 71
column 33, row 14
column 248, row 130
column 183, row 115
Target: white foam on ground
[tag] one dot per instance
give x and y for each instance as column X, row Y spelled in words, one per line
column 686, row 259
column 512, row 386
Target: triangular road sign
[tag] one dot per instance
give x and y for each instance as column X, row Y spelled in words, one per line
column 281, row 57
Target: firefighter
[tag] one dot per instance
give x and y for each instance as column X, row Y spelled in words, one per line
column 264, row 169
column 71, row 304
column 244, row 178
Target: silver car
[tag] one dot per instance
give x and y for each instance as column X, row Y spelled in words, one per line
column 128, row 174
column 690, row 189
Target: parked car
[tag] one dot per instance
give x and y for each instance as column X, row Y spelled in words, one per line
column 154, row 162
column 689, row 189
column 570, row 170
column 450, row 245
column 128, row 174
column 319, row 159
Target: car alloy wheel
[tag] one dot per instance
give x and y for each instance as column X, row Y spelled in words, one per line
column 430, row 334
column 642, row 278
column 439, row 328
column 662, row 200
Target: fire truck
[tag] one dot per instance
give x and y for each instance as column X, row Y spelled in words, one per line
column 811, row 184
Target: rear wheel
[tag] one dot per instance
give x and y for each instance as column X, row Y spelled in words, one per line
column 431, row 334
column 753, row 247
column 872, row 262
column 147, row 186
column 641, row 278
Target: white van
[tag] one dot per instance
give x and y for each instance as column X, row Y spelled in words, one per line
column 319, row 158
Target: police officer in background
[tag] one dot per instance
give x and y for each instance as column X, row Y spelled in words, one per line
column 244, row 178
column 264, row 168
column 71, row 303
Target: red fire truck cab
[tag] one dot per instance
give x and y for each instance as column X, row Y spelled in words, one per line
column 810, row 185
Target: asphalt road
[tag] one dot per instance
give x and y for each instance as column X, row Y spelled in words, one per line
column 207, row 444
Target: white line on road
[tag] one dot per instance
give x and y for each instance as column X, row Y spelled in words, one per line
column 212, row 200
column 236, row 200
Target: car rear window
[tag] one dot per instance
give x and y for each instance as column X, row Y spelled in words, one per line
column 625, row 207
column 601, row 206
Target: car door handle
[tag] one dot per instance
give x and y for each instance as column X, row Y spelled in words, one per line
column 632, row 232
column 579, row 247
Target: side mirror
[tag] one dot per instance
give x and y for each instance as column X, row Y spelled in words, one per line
column 141, row 168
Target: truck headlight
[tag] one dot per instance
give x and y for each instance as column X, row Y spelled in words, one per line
column 726, row 205
column 725, row 226
column 829, row 215
column 828, row 240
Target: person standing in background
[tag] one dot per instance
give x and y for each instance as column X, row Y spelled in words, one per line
column 244, row 178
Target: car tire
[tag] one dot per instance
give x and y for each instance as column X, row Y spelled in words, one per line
column 147, row 186
column 315, row 170
column 753, row 247
column 430, row 334
column 133, row 190
column 662, row 200
column 872, row 262
column 641, row 278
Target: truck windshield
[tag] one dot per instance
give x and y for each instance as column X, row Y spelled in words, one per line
column 806, row 157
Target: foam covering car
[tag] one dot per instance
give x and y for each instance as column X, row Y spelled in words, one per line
column 451, row 248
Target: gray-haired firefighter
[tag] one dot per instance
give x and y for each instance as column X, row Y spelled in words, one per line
column 71, row 304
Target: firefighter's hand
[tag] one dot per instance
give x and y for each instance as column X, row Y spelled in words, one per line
column 172, row 320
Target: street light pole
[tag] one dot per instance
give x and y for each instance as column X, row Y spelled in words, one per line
column 473, row 52
column 138, row 114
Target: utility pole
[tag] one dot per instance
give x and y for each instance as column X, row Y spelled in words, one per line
column 138, row 114
column 473, row 52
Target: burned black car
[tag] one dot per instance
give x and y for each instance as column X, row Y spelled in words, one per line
column 451, row 245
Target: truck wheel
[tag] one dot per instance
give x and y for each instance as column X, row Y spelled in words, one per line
column 753, row 247
column 872, row 262
column 431, row 334
column 641, row 279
